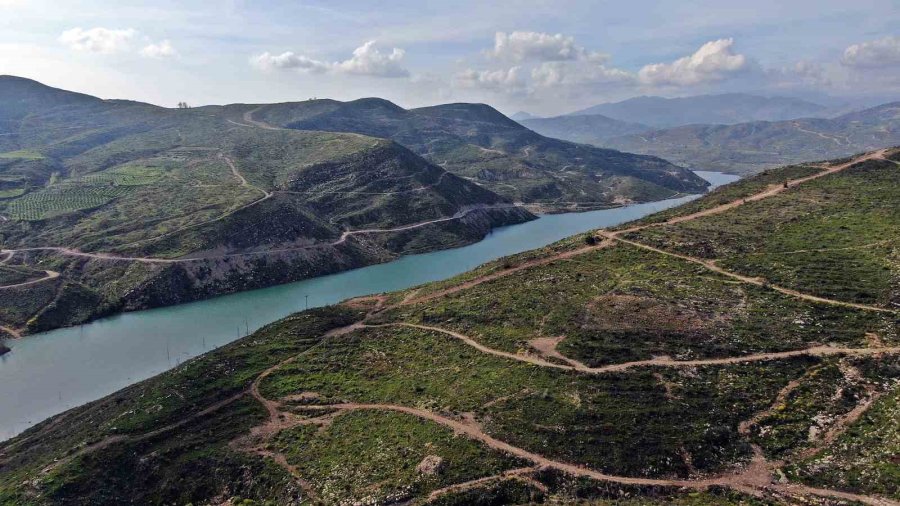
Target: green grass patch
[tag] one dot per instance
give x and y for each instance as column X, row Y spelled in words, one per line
column 373, row 456
column 23, row 154
column 11, row 193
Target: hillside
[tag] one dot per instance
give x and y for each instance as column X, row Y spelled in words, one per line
column 593, row 129
column 726, row 109
column 115, row 205
column 478, row 143
column 751, row 147
column 741, row 349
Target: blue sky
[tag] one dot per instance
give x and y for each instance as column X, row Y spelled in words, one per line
column 545, row 57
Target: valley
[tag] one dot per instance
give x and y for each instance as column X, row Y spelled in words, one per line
column 134, row 206
column 705, row 378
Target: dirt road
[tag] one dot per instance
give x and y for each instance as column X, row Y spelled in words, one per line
column 49, row 275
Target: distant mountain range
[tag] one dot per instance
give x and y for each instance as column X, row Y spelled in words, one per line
column 751, row 147
column 742, row 148
column 594, row 129
column 725, row 109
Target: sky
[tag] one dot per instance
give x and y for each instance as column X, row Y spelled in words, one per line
column 544, row 57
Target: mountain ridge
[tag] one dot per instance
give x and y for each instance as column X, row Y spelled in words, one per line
column 477, row 142
column 727, row 108
column 755, row 146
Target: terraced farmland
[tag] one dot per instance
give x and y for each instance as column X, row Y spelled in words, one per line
column 52, row 202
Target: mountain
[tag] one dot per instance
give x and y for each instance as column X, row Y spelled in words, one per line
column 478, row 143
column 726, row 109
column 522, row 115
column 593, row 129
column 741, row 349
column 116, row 205
column 751, row 147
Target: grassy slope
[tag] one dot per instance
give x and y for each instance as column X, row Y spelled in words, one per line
column 834, row 236
column 612, row 305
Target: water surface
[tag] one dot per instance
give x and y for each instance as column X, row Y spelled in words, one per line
column 50, row 372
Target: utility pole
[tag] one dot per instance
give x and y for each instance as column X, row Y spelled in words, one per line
column 307, row 301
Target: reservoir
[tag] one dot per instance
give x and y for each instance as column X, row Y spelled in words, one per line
column 48, row 373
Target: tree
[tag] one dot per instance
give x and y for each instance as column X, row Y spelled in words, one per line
column 183, row 105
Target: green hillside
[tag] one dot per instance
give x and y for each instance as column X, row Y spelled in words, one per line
column 477, row 142
column 683, row 359
column 138, row 206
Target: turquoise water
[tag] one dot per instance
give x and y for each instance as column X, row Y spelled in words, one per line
column 48, row 373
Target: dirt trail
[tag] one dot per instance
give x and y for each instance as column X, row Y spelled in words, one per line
column 243, row 181
column 711, row 265
column 154, row 260
column 753, row 478
column 770, row 191
column 248, row 117
column 469, row 485
column 119, row 438
column 506, row 272
column 49, row 275
column 16, row 334
column 818, row 351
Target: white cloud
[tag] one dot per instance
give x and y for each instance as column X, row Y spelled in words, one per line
column 163, row 49
column 714, row 61
column 876, row 53
column 509, row 80
column 550, row 74
column 98, row 40
column 366, row 60
column 288, row 60
column 522, row 46
column 801, row 73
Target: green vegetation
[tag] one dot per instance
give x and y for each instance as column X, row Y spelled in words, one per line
column 865, row 457
column 834, row 236
column 397, row 397
column 54, row 201
column 372, row 456
column 23, row 154
column 11, row 193
column 624, row 304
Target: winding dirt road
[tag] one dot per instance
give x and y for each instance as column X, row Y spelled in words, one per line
column 816, row 351
column 48, row 276
column 343, row 238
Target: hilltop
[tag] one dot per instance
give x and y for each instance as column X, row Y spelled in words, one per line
column 478, row 143
column 751, row 147
column 740, row 349
column 117, row 205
